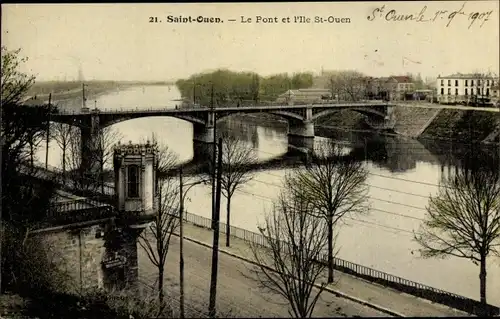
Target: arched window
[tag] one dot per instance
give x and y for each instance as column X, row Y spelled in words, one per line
column 133, row 181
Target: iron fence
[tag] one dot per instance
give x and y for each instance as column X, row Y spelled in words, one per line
column 373, row 275
column 79, row 210
column 402, row 284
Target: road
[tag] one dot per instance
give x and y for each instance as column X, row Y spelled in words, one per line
column 492, row 109
column 237, row 294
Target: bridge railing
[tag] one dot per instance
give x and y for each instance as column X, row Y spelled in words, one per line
column 79, row 210
column 242, row 104
column 380, row 277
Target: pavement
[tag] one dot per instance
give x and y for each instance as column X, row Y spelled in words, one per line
column 239, row 294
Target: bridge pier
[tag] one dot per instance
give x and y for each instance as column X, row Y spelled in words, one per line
column 301, row 133
column 91, row 152
column 203, row 142
column 301, row 137
column 120, row 267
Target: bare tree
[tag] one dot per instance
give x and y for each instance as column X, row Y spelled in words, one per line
column 15, row 84
column 107, row 139
column 463, row 219
column 103, row 154
column 62, row 134
column 75, row 174
column 23, row 203
column 348, row 85
column 335, row 184
column 167, row 158
column 288, row 265
column 236, row 157
column 155, row 239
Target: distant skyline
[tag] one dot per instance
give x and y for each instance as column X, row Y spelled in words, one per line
column 116, row 41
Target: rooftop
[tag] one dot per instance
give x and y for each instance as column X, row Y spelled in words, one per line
column 401, row 78
column 307, row 92
column 465, row 76
column 147, row 147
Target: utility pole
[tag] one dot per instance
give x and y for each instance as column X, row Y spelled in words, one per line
column 83, row 95
column 215, row 248
column 101, row 153
column 181, row 248
column 48, row 134
column 214, row 154
column 194, row 93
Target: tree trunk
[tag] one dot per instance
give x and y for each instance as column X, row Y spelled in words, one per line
column 482, row 283
column 330, row 249
column 64, row 164
column 228, row 227
column 32, row 155
column 160, row 289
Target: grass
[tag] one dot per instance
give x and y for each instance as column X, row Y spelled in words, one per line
column 459, row 125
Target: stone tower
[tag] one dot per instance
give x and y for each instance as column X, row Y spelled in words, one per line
column 135, row 180
column 136, row 202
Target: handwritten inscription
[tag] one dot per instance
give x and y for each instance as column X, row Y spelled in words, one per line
column 426, row 15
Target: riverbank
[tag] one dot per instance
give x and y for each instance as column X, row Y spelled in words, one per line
column 71, row 93
column 462, row 126
column 354, row 282
column 412, row 122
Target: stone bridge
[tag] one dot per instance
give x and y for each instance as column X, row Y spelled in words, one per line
column 300, row 120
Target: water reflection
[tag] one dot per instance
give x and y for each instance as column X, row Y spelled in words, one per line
column 403, row 173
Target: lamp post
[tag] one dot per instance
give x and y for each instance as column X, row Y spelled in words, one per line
column 195, row 85
column 182, row 195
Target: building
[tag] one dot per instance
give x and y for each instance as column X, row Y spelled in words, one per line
column 495, row 91
column 396, row 87
column 305, row 96
column 466, row 88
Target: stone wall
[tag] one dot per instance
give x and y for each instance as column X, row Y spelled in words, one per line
column 78, row 254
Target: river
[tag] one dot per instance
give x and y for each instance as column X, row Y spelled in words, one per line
column 403, row 173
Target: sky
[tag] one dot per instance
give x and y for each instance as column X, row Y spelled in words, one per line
column 117, row 41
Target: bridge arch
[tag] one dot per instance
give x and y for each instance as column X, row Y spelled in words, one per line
column 363, row 111
column 288, row 116
column 104, row 122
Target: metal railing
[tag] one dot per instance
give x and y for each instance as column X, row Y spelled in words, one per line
column 80, row 210
column 396, row 282
column 417, row 289
column 267, row 105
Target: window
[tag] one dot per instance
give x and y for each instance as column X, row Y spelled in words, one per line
column 466, row 92
column 456, row 91
column 442, row 91
column 471, row 91
column 487, row 92
column 478, row 91
column 456, row 82
column 466, row 82
column 449, row 91
column 478, row 82
column 487, row 82
column 471, row 82
column 133, row 181
column 449, row 82
column 442, row 82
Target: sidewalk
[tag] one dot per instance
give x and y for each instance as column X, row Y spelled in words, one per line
column 381, row 298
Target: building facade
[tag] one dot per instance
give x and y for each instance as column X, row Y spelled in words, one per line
column 466, row 88
column 390, row 88
column 305, row 96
